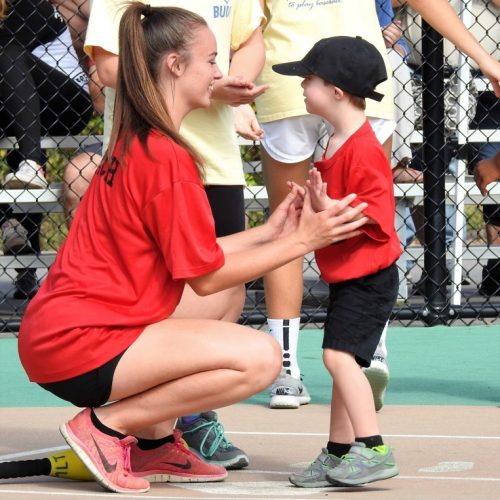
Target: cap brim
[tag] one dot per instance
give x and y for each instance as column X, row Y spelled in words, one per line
column 296, row 68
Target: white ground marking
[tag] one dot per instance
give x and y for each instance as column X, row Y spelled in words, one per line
column 448, row 467
column 309, row 434
column 267, row 489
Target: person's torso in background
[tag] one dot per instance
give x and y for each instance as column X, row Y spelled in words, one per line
column 60, row 54
column 210, row 131
column 30, row 23
column 292, row 30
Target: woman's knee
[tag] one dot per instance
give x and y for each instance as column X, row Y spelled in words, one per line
column 264, row 358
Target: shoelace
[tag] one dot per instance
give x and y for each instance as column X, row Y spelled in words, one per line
column 127, row 466
column 217, row 430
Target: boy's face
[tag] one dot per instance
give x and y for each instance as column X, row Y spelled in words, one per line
column 318, row 94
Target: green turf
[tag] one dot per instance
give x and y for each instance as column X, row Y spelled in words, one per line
column 428, row 366
column 432, row 366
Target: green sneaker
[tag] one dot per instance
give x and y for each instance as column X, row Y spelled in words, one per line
column 205, row 437
column 363, row 465
column 314, row 476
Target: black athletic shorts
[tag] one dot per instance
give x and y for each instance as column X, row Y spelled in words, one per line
column 91, row 389
column 228, row 208
column 358, row 312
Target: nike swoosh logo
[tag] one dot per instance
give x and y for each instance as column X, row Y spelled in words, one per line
column 107, row 466
column 185, row 466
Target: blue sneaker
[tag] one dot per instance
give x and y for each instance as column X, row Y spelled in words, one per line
column 205, row 437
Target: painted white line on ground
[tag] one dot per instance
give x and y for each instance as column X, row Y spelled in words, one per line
column 448, row 467
column 148, row 496
column 41, row 451
column 323, row 434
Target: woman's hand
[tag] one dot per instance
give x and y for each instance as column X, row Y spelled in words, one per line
column 337, row 223
column 491, row 69
column 236, row 90
column 285, row 218
column 246, row 123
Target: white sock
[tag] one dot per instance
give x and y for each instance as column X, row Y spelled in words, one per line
column 286, row 333
column 381, row 350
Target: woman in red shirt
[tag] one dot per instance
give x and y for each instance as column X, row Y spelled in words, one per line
column 102, row 328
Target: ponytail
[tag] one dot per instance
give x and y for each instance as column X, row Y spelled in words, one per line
column 146, row 35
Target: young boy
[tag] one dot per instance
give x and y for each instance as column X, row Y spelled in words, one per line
column 339, row 73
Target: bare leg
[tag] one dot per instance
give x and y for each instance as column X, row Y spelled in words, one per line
column 77, row 176
column 356, row 400
column 284, row 286
column 225, row 305
column 160, row 377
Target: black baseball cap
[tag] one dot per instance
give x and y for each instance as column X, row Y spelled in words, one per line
column 350, row 63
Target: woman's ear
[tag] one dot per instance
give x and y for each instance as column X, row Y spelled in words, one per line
column 174, row 63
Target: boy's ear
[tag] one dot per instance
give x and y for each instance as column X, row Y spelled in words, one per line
column 338, row 93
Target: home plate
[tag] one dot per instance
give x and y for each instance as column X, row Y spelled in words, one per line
column 269, row 489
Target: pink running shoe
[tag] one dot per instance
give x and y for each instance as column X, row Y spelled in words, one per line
column 106, row 457
column 174, row 463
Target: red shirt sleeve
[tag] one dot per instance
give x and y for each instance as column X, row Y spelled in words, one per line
column 373, row 185
column 180, row 221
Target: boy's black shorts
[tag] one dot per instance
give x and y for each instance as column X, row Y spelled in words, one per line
column 358, row 312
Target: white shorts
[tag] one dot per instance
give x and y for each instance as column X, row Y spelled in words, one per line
column 295, row 139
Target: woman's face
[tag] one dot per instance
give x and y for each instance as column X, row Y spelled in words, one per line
column 201, row 70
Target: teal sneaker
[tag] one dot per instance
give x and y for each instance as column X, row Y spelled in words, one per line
column 314, row 476
column 205, row 437
column 363, row 465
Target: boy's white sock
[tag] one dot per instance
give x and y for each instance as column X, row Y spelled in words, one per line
column 286, row 333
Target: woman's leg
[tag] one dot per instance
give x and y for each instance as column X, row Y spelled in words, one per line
column 284, row 286
column 161, row 377
column 20, row 106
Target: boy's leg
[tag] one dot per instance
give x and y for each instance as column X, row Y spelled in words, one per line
column 368, row 458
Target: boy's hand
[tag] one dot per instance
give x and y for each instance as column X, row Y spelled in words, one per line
column 317, row 190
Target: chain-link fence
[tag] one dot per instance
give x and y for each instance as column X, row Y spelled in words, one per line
column 447, row 120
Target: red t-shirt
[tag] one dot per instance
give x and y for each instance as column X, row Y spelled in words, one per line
column 360, row 166
column 142, row 229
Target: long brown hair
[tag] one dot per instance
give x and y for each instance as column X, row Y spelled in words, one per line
column 146, row 35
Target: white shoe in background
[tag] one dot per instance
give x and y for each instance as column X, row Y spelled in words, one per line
column 29, row 175
column 378, row 376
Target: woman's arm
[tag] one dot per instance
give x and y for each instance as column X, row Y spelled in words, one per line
column 311, row 231
column 441, row 16
column 246, row 63
column 107, row 66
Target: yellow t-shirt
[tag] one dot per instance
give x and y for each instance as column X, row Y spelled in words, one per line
column 210, row 131
column 293, row 28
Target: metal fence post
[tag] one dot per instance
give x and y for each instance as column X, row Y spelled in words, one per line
column 437, row 307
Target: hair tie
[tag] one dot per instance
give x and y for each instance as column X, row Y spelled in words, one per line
column 147, row 10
